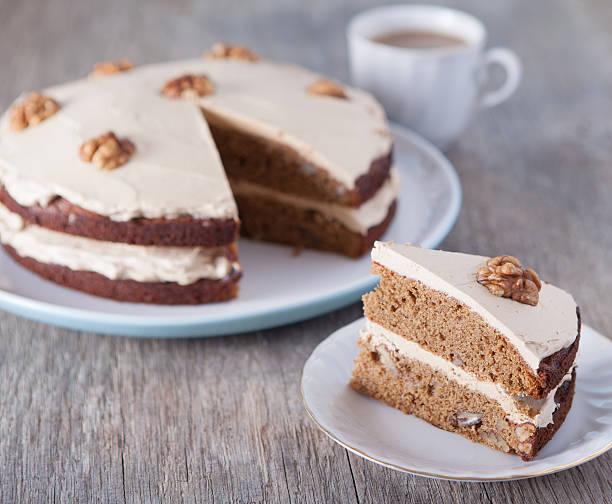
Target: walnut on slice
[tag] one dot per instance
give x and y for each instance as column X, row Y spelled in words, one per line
column 111, row 67
column 106, row 151
column 222, row 50
column 33, row 110
column 327, row 87
column 504, row 276
column 188, row 86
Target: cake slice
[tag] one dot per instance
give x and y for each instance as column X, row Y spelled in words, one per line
column 473, row 345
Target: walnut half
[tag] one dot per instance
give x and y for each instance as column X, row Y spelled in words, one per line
column 111, row 67
column 188, row 86
column 504, row 276
column 221, row 50
column 326, row 87
column 32, row 111
column 106, row 151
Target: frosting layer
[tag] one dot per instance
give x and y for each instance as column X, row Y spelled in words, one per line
column 176, row 169
column 536, row 331
column 357, row 219
column 117, row 261
column 379, row 335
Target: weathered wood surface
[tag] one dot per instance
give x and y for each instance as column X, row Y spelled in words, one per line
column 96, row 418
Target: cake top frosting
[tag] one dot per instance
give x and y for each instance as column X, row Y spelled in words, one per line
column 536, row 331
column 175, row 168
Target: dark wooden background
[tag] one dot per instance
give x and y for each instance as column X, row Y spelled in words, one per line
column 97, row 418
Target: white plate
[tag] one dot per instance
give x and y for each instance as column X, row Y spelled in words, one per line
column 388, row 437
column 277, row 288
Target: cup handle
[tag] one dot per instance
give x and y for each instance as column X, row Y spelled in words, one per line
column 511, row 64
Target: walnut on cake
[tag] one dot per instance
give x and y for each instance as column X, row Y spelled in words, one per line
column 33, row 110
column 326, row 87
column 188, row 86
column 111, row 67
column 106, row 151
column 223, row 50
column 504, row 276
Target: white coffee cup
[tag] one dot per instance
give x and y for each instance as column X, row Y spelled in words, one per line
column 432, row 91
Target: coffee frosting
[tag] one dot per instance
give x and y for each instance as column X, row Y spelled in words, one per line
column 117, row 261
column 176, row 168
column 535, row 331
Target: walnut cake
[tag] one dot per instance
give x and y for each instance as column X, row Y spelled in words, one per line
column 443, row 341
column 135, row 182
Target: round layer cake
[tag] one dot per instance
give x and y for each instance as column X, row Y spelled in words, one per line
column 129, row 184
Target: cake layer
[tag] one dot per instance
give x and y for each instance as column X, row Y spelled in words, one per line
column 254, row 159
column 538, row 413
column 407, row 377
column 448, row 328
column 536, row 331
column 435, row 299
column 168, row 293
column 175, row 169
column 356, row 219
column 116, row 261
column 61, row 215
column 280, row 221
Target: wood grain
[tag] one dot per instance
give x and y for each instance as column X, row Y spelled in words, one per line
column 87, row 417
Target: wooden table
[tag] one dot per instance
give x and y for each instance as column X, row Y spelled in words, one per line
column 92, row 417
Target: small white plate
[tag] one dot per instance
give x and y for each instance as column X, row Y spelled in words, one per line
column 277, row 288
column 389, row 437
